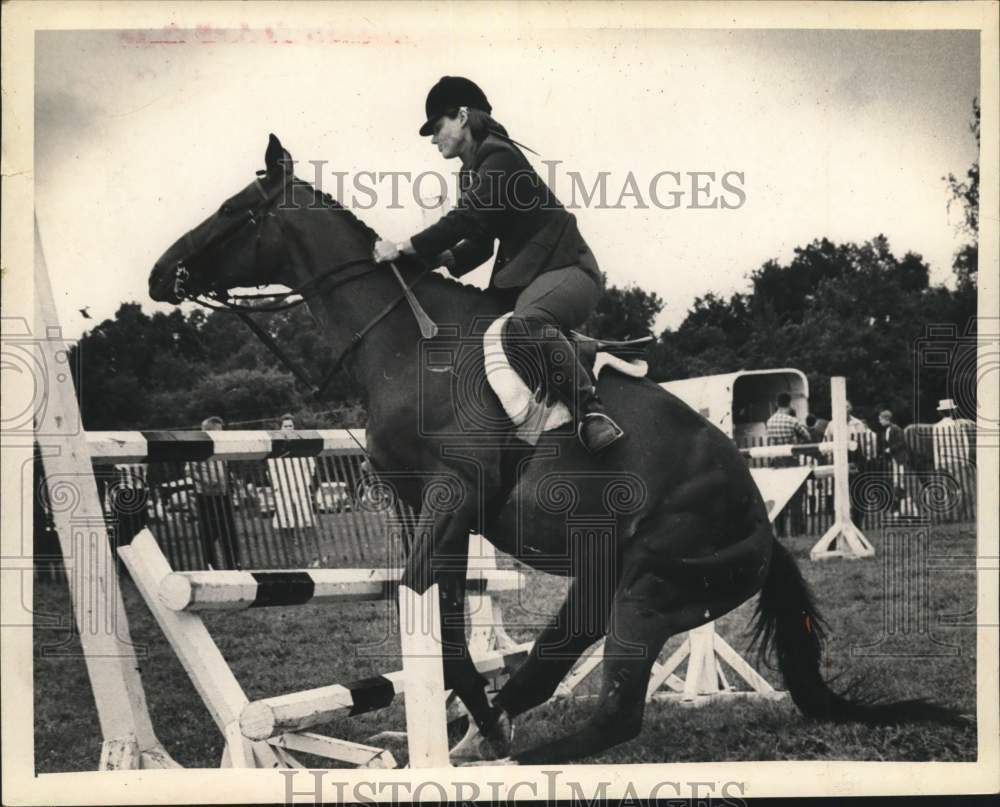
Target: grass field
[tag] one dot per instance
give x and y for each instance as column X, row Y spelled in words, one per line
column 281, row 650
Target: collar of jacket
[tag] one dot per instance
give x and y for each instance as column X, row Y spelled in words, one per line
column 491, row 145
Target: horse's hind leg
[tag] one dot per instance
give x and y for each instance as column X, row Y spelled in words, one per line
column 634, row 641
column 581, row 621
column 648, row 608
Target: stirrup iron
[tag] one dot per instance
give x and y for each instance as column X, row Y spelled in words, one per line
column 609, row 437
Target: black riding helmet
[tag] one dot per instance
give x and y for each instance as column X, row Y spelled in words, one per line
column 449, row 93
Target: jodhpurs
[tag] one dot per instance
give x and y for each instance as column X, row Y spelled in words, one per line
column 563, row 298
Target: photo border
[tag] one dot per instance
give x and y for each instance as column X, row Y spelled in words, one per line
column 20, row 22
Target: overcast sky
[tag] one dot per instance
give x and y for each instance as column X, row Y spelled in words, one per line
column 842, row 134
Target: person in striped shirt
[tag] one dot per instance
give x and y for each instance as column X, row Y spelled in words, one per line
column 292, row 483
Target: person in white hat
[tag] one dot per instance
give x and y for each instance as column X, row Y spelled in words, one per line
column 951, row 438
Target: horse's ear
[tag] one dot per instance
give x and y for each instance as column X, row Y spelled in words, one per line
column 275, row 156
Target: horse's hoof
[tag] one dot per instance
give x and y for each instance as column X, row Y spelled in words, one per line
column 468, row 747
column 495, row 745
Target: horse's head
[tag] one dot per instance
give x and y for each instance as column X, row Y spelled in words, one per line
column 240, row 245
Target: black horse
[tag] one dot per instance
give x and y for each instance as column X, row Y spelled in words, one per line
column 663, row 532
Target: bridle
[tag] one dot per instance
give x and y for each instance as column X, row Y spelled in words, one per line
column 322, row 282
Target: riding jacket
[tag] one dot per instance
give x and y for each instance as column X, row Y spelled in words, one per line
column 502, row 197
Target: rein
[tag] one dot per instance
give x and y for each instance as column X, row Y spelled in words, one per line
column 223, row 301
column 268, row 340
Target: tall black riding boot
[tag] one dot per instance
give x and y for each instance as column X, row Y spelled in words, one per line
column 571, row 383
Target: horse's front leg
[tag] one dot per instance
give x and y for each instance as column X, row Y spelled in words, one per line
column 440, row 555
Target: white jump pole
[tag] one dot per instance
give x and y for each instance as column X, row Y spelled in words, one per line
column 239, row 590
column 425, row 701
column 129, row 739
column 843, row 539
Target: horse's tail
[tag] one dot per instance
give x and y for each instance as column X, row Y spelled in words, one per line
column 788, row 623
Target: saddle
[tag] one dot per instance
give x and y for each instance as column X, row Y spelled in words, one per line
column 627, row 350
column 513, row 367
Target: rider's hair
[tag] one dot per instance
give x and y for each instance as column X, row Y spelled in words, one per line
column 214, row 420
column 286, row 416
column 480, row 124
column 784, row 399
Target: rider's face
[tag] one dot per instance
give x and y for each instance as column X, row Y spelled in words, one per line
column 449, row 135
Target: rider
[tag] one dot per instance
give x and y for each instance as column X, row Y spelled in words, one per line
column 543, row 269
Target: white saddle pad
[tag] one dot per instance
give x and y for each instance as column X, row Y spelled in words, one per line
column 530, row 417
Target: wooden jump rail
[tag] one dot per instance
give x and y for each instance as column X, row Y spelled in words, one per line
column 798, row 450
column 214, row 680
column 791, row 450
column 261, row 733
column 267, row 718
column 196, row 445
column 236, row 591
column 177, row 598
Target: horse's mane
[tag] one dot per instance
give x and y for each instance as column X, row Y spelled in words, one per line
column 408, row 264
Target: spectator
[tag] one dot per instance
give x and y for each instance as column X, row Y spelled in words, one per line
column 893, row 451
column 783, row 428
column 126, row 503
column 857, row 432
column 817, row 427
column 920, row 442
column 291, row 481
column 214, row 506
column 951, row 438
